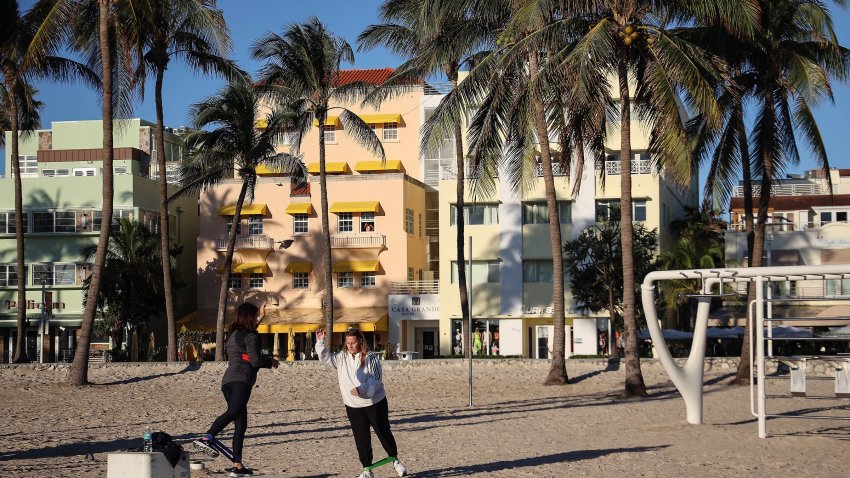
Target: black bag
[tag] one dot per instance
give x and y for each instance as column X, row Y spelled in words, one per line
column 162, row 442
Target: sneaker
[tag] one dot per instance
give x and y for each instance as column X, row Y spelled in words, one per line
column 237, row 472
column 366, row 474
column 400, row 469
column 204, row 445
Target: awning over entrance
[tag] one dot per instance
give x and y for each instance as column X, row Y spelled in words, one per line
column 379, row 166
column 297, row 320
column 356, row 206
column 356, row 266
column 250, row 268
column 382, row 118
column 296, row 266
column 299, row 208
column 337, row 167
column 247, row 209
column 329, row 121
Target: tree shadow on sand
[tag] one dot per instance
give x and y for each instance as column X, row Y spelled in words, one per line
column 556, row 458
column 190, row 367
column 613, row 366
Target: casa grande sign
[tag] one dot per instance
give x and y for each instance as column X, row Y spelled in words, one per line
column 414, row 307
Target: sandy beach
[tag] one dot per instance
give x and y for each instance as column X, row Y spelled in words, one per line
column 517, row 428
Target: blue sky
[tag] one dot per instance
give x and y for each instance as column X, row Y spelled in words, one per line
column 248, row 19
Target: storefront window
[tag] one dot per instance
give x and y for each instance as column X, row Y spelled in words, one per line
column 485, row 338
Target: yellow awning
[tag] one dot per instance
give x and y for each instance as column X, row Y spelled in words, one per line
column 382, row 118
column 247, row 209
column 299, row 208
column 263, row 170
column 371, row 166
column 329, row 121
column 296, row 266
column 261, row 123
column 356, row 266
column 250, row 268
column 330, row 168
column 356, row 206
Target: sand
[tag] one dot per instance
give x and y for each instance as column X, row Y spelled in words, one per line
column 517, row 428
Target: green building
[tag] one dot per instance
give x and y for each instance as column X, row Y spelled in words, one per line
column 61, row 175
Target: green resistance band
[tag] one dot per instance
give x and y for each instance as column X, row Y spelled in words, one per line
column 383, row 462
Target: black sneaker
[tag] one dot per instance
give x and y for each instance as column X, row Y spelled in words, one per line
column 237, row 472
column 204, row 445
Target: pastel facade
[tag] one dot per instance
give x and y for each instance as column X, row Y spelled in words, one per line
column 62, row 186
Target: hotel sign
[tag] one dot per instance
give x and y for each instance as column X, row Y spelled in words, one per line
column 414, row 307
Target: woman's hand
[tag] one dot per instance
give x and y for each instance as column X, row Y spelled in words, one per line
column 355, row 392
column 262, row 312
column 320, row 334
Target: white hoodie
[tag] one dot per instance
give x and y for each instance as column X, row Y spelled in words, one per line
column 351, row 374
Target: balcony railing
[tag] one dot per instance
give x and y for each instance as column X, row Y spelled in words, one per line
column 797, row 189
column 300, row 190
column 557, row 170
column 359, row 240
column 786, row 226
column 415, row 287
column 639, row 166
column 259, row 242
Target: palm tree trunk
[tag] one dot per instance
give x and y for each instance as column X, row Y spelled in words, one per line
column 742, row 374
column 635, row 386
column 558, row 369
column 78, row 374
column 326, row 233
column 224, row 290
column 460, row 207
column 171, row 352
column 20, row 352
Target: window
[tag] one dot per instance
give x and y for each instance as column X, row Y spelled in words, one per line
column 256, row 281
column 482, row 272
column 476, row 214
column 65, row 221
column 8, row 224
column 96, row 220
column 300, row 280
column 345, row 280
column 420, row 224
column 80, row 172
column 346, row 222
column 408, row 221
column 330, row 133
column 390, row 131
column 29, row 166
column 9, row 275
column 826, row 217
column 120, row 170
column 42, row 272
column 367, row 221
column 284, row 138
column 841, row 216
column 537, row 271
column 230, row 224
column 255, row 225
column 538, row 212
column 367, row 279
column 299, row 223
column 410, row 274
column 64, row 274
column 42, row 221
column 610, row 210
column 235, row 281
column 50, row 173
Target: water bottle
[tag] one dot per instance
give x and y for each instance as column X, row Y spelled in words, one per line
column 148, row 437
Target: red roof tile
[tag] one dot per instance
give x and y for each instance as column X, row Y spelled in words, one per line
column 799, row 203
column 374, row 76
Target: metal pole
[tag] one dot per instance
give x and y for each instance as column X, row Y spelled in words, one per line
column 469, row 333
column 41, row 320
column 759, row 337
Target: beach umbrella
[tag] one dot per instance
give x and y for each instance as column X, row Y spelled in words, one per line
column 792, row 332
column 668, row 334
column 725, row 333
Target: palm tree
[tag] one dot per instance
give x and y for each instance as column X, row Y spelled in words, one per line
column 132, row 289
column 442, row 47
column 785, row 70
column 233, row 144
column 644, row 46
column 106, row 32
column 27, row 51
column 195, row 32
column 301, row 75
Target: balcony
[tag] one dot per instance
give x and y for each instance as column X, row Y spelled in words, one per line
column 359, row 241
column 256, row 242
column 639, row 166
column 797, row 189
column 415, row 287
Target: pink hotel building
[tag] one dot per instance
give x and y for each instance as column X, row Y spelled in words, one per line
column 377, row 227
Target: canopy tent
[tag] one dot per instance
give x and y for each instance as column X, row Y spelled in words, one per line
column 791, row 332
column 669, row 334
column 725, row 333
column 838, row 331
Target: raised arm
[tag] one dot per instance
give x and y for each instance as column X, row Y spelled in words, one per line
column 325, row 356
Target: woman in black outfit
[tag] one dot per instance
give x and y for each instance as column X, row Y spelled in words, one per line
column 242, row 349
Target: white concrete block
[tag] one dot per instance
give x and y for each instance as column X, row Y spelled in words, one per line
column 145, row 465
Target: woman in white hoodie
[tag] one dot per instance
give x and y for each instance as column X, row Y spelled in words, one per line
column 359, row 374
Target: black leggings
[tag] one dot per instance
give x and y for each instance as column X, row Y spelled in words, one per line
column 237, row 395
column 376, row 416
